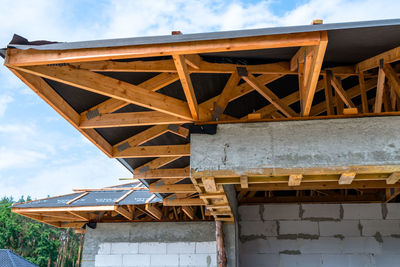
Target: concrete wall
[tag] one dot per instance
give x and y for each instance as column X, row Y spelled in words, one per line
column 298, row 144
column 150, row 244
column 347, row 235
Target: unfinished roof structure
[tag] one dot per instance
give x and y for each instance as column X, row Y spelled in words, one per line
column 139, row 100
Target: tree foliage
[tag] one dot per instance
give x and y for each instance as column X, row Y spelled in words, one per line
column 39, row 243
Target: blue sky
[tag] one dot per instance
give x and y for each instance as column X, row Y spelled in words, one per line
column 40, row 153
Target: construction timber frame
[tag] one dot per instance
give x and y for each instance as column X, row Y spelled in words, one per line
column 370, row 87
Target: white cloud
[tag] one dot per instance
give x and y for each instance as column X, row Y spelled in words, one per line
column 4, row 101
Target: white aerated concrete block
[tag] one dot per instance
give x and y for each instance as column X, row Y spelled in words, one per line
column 342, row 228
column 281, row 212
column 260, row 260
column 334, row 260
column 321, row 245
column 181, row 248
column 104, row 249
column 384, row 227
column 362, row 211
column 124, row 248
column 164, row 260
column 152, row 248
column 360, row 245
column 387, row 260
column 393, row 211
column 206, row 247
column 364, row 260
column 258, row 245
column 310, row 260
column 197, row 260
column 136, row 260
column 267, row 228
column 298, row 227
column 108, row 260
column 321, row 211
column 391, row 245
column 249, row 213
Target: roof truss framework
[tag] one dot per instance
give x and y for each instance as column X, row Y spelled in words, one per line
column 165, row 114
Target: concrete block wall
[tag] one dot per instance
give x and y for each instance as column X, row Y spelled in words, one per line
column 150, row 244
column 353, row 235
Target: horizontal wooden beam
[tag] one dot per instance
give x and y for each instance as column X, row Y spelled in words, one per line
column 128, row 119
column 28, row 57
column 174, row 188
column 154, row 151
column 373, row 62
column 183, row 202
column 163, row 174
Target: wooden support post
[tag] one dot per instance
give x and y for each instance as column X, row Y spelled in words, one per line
column 379, row 89
column 295, row 179
column 221, row 259
column 347, row 177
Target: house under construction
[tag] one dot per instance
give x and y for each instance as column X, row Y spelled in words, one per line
column 265, row 147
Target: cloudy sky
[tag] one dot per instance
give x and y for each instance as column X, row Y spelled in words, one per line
column 40, row 153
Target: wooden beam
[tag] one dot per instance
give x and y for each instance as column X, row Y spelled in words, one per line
column 393, row 178
column 224, row 98
column 187, row 85
column 374, row 62
column 221, row 258
column 209, row 184
column 41, row 88
column 127, row 214
column 315, row 69
column 189, row 212
column 380, row 87
column 100, row 84
column 193, row 61
column 76, row 198
column 18, row 57
column 363, row 93
column 347, row 177
column 295, row 179
column 299, row 57
column 164, row 174
column 124, row 196
column 140, row 138
column 154, row 151
column 183, row 202
column 155, row 164
column 391, row 193
column 174, row 188
column 154, row 211
column 337, row 85
column 269, row 95
column 328, row 96
column 129, row 119
column 392, row 77
column 244, row 181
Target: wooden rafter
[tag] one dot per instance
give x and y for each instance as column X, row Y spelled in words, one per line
column 187, row 85
column 175, row 188
column 374, row 62
column 337, row 84
column 164, row 174
column 225, row 96
column 379, row 89
column 313, row 76
column 154, row 151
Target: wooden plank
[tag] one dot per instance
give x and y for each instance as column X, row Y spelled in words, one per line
column 124, row 196
column 209, row 184
column 244, row 181
column 174, row 188
column 76, row 198
column 374, row 62
column 80, row 216
column 337, row 85
column 299, row 57
column 315, row 70
column 152, row 84
column 154, row 151
column 295, row 179
column 328, row 96
column 86, row 208
column 347, row 177
column 128, row 119
column 155, row 164
column 187, row 85
column 391, row 193
column 363, row 93
column 193, row 61
column 224, row 98
column 110, row 87
column 393, row 178
column 183, row 202
column 164, row 174
column 127, row 214
column 41, row 88
column 27, row 57
column 140, row 138
column 380, row 87
column 269, row 95
column 350, row 111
